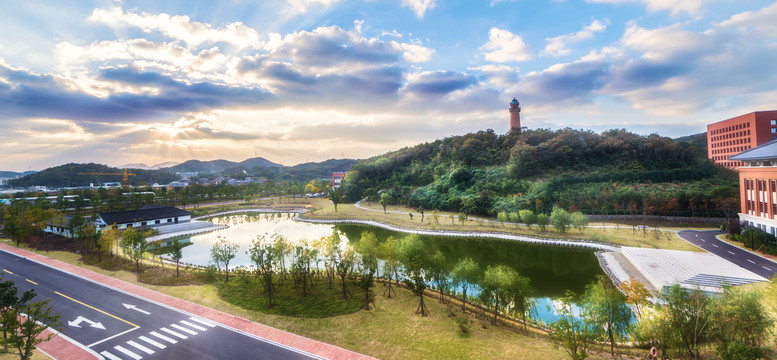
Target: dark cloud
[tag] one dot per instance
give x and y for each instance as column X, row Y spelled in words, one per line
column 440, row 83
column 335, row 47
column 640, row 73
column 574, row 81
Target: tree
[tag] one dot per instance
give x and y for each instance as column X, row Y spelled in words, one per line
column 9, row 303
column 368, row 261
column 502, row 217
column 38, row 316
column 528, row 217
column 637, row 296
column 385, row 199
column 542, row 221
column 579, row 221
column 741, row 325
column 438, row 273
column 344, row 267
column 688, row 314
column 497, row 286
column 134, row 244
column 223, row 251
column 263, row 254
column 514, row 218
column 389, row 252
column 415, row 257
column 523, row 299
column 465, row 273
column 560, row 219
column 605, row 308
column 336, row 196
column 421, row 211
column 176, row 253
column 570, row 331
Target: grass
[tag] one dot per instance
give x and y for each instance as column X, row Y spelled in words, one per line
column 13, row 355
column 248, row 293
column 624, row 235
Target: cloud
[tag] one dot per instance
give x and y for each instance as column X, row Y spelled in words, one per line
column 503, row 46
column 180, row 27
column 558, row 46
column 690, row 7
column 419, row 7
column 301, row 6
column 760, row 22
column 438, row 83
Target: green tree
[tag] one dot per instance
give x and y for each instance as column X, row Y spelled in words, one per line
column 688, row 314
column 438, row 272
column 514, row 218
column 560, row 219
column 26, row 333
column 415, row 257
column 502, row 217
column 464, row 274
column 579, row 221
column 9, row 303
column 385, row 199
column 223, row 251
column 134, row 244
column 741, row 325
column 523, row 299
column 263, row 256
column 176, row 253
column 574, row 335
column 336, row 196
column 389, row 252
column 368, row 263
column 344, row 267
column 542, row 221
column 497, row 286
column 606, row 309
column 528, row 217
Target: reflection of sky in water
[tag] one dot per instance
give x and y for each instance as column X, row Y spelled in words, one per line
column 243, row 229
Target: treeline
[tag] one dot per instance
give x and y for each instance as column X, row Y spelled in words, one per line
column 68, row 175
column 485, row 173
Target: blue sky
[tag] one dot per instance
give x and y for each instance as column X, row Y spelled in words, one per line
column 120, row 82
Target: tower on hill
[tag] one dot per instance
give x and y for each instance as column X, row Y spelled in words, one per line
column 515, row 115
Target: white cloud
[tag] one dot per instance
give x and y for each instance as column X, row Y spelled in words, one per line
column 414, row 53
column 691, row 7
column 761, row 22
column 558, row 46
column 504, row 46
column 301, row 6
column 419, row 6
column 180, row 27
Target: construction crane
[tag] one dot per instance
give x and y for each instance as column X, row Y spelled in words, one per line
column 123, row 180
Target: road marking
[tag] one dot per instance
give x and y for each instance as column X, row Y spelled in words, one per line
column 4, row 270
column 111, row 337
column 731, row 252
column 179, row 327
column 201, row 321
column 200, row 328
column 94, row 308
column 77, row 323
column 140, row 347
column 165, row 338
column 751, row 261
column 128, row 353
column 133, row 307
column 171, row 332
column 152, row 342
column 714, row 245
column 766, row 268
column 31, row 281
column 109, row 355
column 703, row 240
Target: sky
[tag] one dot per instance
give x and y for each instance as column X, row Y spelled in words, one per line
column 118, row 82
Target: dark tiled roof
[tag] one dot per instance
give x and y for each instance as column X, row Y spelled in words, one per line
column 148, row 212
column 765, row 151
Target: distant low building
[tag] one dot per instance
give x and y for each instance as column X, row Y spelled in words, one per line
column 338, row 173
column 59, row 225
column 758, row 186
column 146, row 217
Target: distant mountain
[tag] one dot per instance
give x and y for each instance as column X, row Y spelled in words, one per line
column 699, row 139
column 69, row 175
column 146, row 167
column 215, row 166
column 13, row 174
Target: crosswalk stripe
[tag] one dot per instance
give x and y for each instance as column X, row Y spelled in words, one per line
column 165, row 338
column 200, row 328
column 201, row 321
column 179, row 327
column 109, row 356
column 128, row 353
column 152, row 342
column 171, row 332
column 140, row 347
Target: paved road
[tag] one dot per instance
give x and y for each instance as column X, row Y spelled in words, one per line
column 117, row 325
column 707, row 240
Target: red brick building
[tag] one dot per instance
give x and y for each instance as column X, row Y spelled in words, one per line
column 758, row 186
column 729, row 137
column 515, row 115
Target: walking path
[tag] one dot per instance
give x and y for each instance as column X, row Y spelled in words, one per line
column 65, row 349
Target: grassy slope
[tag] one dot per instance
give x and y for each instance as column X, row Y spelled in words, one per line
column 390, row 331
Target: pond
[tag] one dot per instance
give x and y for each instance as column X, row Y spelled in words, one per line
column 553, row 270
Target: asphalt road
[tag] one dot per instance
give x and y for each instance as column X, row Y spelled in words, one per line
column 707, row 240
column 118, row 325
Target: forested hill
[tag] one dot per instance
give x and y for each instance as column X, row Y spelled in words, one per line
column 599, row 173
column 68, row 175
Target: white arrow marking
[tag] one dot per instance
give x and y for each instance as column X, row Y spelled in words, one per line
column 133, row 307
column 77, row 323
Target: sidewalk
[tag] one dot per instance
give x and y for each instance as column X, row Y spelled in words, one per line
column 60, row 348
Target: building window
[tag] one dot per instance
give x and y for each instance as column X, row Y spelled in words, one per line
column 774, row 131
column 774, row 122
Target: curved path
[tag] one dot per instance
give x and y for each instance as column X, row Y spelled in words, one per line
column 708, row 241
